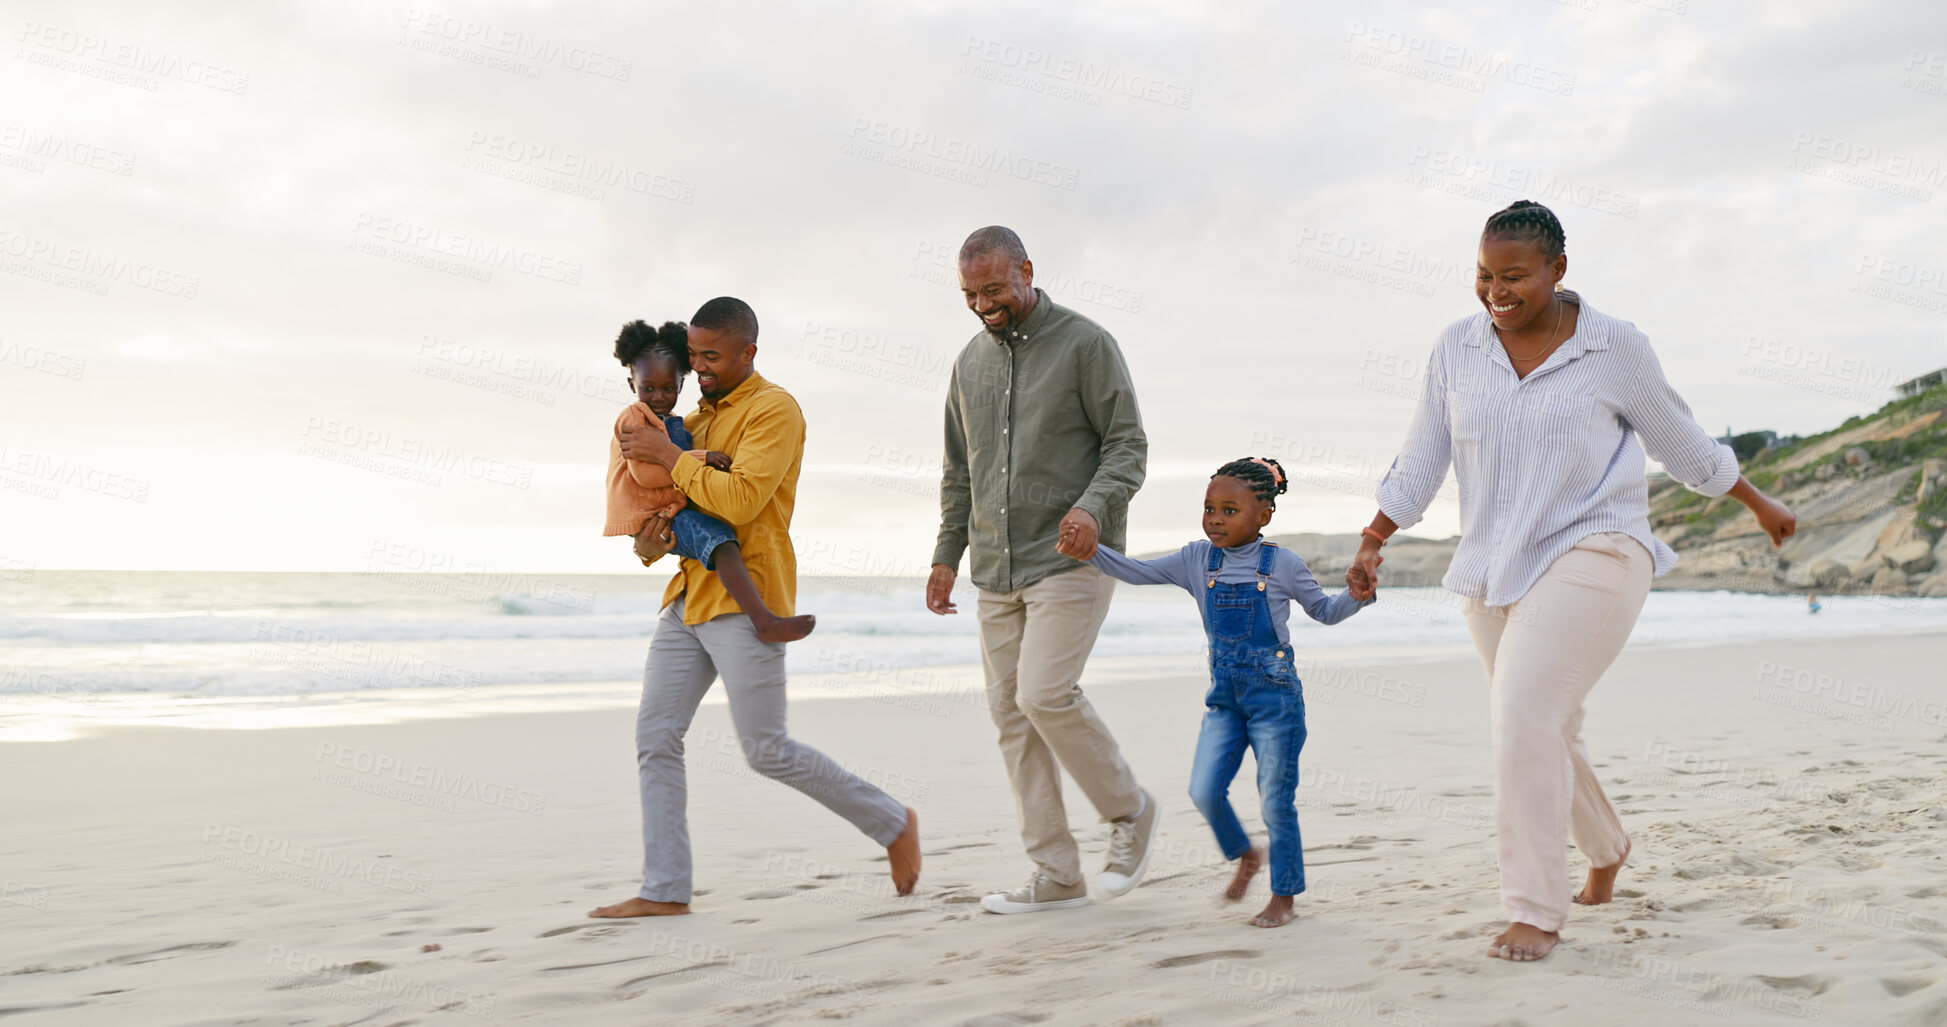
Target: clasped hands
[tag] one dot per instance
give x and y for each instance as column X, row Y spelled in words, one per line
column 1075, row 538
column 648, row 445
column 1362, row 577
column 1078, row 534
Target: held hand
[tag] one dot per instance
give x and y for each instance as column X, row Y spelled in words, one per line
column 1357, row 584
column 1077, row 535
column 939, row 590
column 634, row 440
column 654, row 541
column 711, row 458
column 1362, row 578
column 1776, row 519
column 647, row 444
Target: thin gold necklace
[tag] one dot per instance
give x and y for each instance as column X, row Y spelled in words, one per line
column 1560, row 309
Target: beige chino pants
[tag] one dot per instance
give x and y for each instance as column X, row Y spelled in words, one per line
column 1543, row 653
column 1034, row 642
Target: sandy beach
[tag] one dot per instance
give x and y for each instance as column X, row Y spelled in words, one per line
column 1785, row 801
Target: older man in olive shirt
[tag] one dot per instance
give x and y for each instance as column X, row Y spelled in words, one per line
column 1044, row 448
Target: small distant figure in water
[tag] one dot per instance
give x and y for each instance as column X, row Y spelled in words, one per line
column 1812, row 604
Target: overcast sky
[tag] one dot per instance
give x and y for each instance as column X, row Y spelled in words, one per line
column 334, row 287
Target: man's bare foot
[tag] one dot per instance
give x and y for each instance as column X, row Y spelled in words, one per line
column 785, row 629
column 1277, row 914
column 640, row 907
column 1247, row 867
column 1523, row 943
column 1601, row 886
column 903, row 855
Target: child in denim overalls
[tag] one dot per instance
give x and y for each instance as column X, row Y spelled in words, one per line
column 1244, row 586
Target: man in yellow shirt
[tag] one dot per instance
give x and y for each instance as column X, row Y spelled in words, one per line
column 702, row 633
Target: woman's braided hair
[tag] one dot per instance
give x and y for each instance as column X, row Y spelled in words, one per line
column 1264, row 476
column 1531, row 222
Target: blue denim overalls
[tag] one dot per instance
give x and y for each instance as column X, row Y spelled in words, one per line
column 697, row 534
column 1254, row 700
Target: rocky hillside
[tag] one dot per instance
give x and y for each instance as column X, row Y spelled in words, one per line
column 1870, row 496
column 1871, row 501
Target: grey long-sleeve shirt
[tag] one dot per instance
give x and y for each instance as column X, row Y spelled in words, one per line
column 1036, row 424
column 1290, row 580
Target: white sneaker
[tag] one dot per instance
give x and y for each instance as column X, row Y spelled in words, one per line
column 1036, row 896
column 1129, row 845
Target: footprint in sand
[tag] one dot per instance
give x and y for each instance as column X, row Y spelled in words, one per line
column 10, row 1010
column 693, row 967
column 1803, row 984
column 1204, row 957
column 358, row 969
column 601, row 930
column 849, row 944
column 168, row 953
column 445, row 933
column 768, row 893
column 585, row 966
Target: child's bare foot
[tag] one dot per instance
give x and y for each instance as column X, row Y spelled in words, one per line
column 1601, row 886
column 640, row 907
column 1277, row 914
column 1523, row 943
column 1247, row 867
column 903, row 855
column 785, row 629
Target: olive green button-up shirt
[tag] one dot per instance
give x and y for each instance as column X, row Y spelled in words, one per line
column 1037, row 423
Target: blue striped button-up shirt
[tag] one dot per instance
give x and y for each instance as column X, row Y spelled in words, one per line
column 1544, row 460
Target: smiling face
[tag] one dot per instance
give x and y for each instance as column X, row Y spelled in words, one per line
column 657, row 379
column 1515, row 281
column 1000, row 292
column 721, row 361
column 1232, row 516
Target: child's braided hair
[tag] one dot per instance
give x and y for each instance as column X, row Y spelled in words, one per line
column 1262, row 475
column 1531, row 222
column 672, row 340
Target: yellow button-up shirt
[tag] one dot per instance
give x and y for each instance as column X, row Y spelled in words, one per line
column 761, row 428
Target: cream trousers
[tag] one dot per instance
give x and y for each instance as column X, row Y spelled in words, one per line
column 1543, row 653
column 1034, row 642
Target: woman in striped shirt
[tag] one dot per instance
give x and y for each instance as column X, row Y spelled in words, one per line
column 1539, row 403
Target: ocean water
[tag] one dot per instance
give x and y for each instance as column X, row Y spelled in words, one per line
column 147, row 643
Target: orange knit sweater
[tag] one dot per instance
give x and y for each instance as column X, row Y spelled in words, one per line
column 637, row 488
